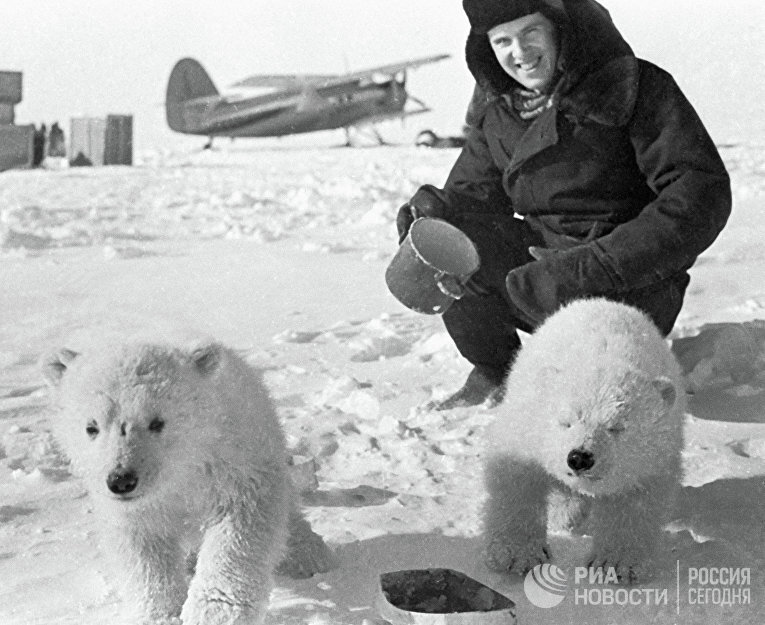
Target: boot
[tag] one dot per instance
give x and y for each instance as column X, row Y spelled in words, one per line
column 483, row 384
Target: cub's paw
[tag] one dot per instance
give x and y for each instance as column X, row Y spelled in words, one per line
column 306, row 552
column 160, row 620
column 221, row 613
column 516, row 558
column 613, row 568
column 307, row 558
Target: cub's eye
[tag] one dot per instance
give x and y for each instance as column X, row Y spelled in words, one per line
column 156, row 425
column 91, row 429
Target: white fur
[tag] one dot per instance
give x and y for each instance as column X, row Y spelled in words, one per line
column 212, row 483
column 596, row 376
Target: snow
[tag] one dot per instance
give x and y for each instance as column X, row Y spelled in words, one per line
column 280, row 253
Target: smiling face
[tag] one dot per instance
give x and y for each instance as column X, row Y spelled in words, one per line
column 527, row 49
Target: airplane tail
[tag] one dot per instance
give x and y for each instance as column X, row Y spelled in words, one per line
column 188, row 81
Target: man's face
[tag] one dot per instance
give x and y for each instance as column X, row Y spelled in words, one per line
column 527, row 49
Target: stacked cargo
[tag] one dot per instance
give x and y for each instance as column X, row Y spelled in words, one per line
column 15, row 141
column 93, row 141
column 97, row 141
column 6, row 113
column 119, row 140
column 86, row 146
column 10, row 95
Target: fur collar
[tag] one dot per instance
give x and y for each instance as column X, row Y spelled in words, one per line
column 606, row 96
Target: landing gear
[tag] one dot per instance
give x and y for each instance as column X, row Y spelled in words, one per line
column 378, row 136
column 369, row 132
column 208, row 145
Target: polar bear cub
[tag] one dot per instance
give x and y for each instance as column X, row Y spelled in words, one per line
column 592, row 418
column 181, row 450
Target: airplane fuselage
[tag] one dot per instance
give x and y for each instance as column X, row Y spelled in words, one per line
column 301, row 111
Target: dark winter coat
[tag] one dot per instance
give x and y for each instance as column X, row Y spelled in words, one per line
column 619, row 175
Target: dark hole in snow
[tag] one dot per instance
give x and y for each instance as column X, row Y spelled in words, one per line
column 8, row 513
column 440, row 591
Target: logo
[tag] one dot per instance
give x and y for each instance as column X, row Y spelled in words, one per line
column 545, row 585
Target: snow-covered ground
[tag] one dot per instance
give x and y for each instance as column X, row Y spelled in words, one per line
column 280, row 252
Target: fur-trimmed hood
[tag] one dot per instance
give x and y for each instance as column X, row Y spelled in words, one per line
column 599, row 69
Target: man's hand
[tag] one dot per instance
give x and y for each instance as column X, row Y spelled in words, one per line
column 537, row 289
column 474, row 286
column 404, row 220
column 540, row 253
column 426, row 202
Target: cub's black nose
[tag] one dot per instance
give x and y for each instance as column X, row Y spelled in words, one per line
column 580, row 460
column 122, row 481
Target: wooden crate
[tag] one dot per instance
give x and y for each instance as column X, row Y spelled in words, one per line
column 118, row 148
column 10, row 87
column 87, row 141
column 16, row 146
column 7, row 114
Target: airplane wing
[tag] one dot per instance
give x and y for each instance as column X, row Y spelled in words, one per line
column 393, row 68
column 374, row 73
column 280, row 81
column 324, row 81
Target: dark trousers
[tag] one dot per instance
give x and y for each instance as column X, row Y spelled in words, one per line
column 484, row 328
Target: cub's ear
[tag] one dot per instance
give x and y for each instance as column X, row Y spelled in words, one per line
column 667, row 390
column 55, row 364
column 206, row 356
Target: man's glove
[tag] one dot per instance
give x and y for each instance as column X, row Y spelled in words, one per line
column 426, row 202
column 537, row 289
column 404, row 220
column 540, row 253
column 476, row 287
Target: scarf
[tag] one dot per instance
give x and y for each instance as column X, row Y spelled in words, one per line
column 530, row 104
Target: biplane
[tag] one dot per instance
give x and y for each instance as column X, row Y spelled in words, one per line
column 285, row 104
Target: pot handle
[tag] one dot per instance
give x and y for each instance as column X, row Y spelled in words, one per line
column 449, row 285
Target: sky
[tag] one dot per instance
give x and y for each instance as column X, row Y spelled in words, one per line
column 95, row 57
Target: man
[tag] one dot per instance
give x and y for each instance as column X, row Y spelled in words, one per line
column 586, row 172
